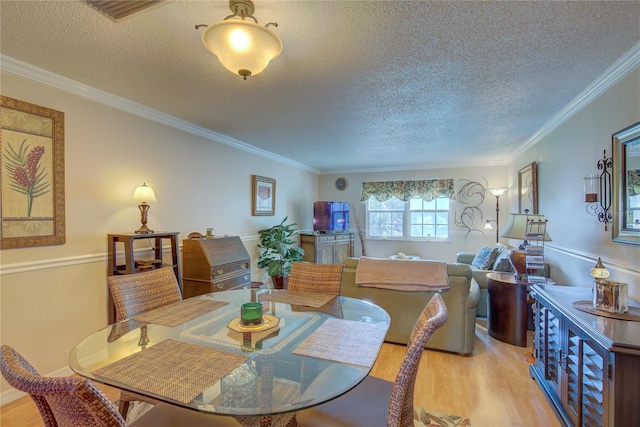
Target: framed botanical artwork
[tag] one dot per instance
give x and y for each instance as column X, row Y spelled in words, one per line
column 32, row 200
column 528, row 189
column 263, row 201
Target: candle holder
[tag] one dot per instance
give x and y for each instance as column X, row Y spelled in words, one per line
column 251, row 314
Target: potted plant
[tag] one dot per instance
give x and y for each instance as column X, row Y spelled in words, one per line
column 276, row 252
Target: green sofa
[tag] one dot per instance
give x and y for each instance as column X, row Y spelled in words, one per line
column 458, row 333
column 501, row 261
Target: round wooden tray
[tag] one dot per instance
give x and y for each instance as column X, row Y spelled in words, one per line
column 632, row 314
column 269, row 322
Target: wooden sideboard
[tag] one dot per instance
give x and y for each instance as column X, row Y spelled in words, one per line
column 327, row 248
column 213, row 265
column 588, row 365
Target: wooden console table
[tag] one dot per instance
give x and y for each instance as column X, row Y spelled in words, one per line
column 588, row 365
column 330, row 248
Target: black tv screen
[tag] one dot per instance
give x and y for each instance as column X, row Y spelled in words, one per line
column 330, row 216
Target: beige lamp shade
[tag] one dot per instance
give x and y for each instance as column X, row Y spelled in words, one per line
column 243, row 47
column 517, row 226
column 144, row 193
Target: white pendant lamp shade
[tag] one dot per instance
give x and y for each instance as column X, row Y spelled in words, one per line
column 243, row 47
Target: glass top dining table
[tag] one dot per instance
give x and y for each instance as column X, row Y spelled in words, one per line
column 196, row 353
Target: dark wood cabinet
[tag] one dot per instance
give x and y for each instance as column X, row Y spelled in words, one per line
column 213, row 265
column 588, row 365
column 132, row 265
column 508, row 311
column 326, row 248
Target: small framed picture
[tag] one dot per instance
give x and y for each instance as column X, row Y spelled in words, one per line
column 528, row 189
column 263, row 194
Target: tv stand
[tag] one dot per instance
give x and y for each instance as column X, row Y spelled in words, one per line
column 326, row 246
column 331, row 232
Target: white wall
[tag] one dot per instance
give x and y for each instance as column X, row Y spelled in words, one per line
column 568, row 152
column 564, row 156
column 489, row 176
column 51, row 297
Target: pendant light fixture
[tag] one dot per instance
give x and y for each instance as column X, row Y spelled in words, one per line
column 243, row 47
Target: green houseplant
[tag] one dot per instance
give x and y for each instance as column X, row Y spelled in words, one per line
column 276, row 252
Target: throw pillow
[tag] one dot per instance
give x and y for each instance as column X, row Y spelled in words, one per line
column 485, row 258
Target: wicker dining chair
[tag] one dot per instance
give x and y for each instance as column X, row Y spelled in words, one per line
column 134, row 294
column 309, row 277
column 75, row 401
column 376, row 402
column 138, row 293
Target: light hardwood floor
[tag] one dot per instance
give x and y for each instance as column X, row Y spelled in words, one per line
column 492, row 387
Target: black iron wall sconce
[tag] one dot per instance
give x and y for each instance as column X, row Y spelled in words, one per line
column 597, row 191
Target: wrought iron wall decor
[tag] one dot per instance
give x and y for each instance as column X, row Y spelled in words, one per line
column 470, row 194
column 597, row 191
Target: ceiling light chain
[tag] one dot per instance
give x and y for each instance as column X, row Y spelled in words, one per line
column 241, row 46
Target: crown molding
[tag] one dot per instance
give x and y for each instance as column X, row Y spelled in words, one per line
column 39, row 75
column 612, row 75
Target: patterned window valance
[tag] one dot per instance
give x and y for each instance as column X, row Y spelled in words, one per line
column 405, row 190
column 633, row 182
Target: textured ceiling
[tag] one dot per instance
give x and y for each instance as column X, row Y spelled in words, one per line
column 360, row 85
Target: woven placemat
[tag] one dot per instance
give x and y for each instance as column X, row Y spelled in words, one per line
column 177, row 370
column 309, row 299
column 632, row 314
column 345, row 341
column 180, row 312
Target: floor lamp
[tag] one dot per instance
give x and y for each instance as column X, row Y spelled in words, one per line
column 487, row 226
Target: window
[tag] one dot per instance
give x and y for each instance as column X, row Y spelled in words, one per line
column 429, row 219
column 416, row 219
column 385, row 219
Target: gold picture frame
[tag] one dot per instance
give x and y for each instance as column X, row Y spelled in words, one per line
column 32, row 205
column 263, row 196
column 528, row 189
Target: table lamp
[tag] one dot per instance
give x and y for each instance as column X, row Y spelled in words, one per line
column 144, row 194
column 517, row 229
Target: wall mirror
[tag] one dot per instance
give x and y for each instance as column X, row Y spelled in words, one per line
column 626, row 185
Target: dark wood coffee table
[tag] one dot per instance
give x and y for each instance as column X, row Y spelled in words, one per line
column 507, row 316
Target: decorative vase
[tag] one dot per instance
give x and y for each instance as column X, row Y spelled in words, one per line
column 518, row 261
column 280, row 282
column 610, row 296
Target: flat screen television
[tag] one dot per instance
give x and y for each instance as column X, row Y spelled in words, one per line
column 330, row 216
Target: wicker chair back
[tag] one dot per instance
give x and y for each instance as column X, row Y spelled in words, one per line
column 134, row 294
column 323, row 278
column 62, row 401
column 432, row 317
column 138, row 293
